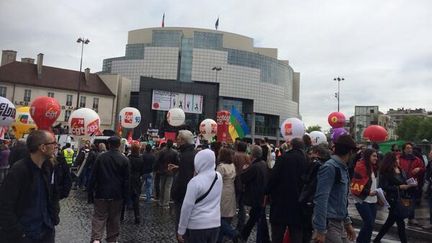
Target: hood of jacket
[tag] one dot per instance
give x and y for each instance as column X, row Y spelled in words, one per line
column 205, row 161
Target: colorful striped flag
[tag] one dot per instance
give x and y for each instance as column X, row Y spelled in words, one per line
column 238, row 126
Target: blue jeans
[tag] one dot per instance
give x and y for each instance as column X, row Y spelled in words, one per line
column 226, row 229
column 147, row 185
column 367, row 212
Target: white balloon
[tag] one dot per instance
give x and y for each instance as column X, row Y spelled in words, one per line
column 7, row 112
column 318, row 137
column 176, row 117
column 129, row 117
column 83, row 123
column 208, row 128
column 292, row 128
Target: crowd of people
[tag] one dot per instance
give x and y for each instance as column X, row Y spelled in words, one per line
column 219, row 192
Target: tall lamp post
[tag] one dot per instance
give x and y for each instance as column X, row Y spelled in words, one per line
column 337, row 95
column 82, row 41
column 216, row 69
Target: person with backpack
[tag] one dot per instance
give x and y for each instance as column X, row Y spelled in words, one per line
column 319, row 154
column 331, row 221
column 363, row 188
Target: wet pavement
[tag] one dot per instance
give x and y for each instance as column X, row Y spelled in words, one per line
column 158, row 224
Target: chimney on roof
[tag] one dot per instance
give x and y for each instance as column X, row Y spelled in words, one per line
column 27, row 60
column 8, row 56
column 39, row 65
column 87, row 74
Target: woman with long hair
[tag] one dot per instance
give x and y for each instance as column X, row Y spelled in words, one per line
column 363, row 187
column 393, row 182
column 228, row 201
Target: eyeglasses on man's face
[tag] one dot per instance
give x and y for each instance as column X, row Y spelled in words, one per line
column 51, row 143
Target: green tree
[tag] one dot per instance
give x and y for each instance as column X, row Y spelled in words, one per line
column 313, row 128
column 415, row 128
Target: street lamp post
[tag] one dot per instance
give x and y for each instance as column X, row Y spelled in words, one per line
column 338, row 79
column 216, row 69
column 82, row 41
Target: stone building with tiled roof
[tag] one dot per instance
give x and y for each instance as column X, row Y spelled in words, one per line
column 21, row 82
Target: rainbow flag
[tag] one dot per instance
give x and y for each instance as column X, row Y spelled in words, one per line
column 238, row 127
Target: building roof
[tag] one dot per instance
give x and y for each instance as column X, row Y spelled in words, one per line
column 56, row 78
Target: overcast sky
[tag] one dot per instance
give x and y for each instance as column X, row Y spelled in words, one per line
column 382, row 48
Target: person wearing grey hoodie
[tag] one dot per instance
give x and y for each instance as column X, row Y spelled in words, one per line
column 200, row 212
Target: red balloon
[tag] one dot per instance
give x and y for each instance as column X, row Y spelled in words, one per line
column 336, row 119
column 375, row 133
column 45, row 111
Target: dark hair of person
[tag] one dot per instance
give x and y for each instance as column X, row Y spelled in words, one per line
column 306, row 140
column 388, row 163
column 406, row 144
column 35, row 139
column 265, row 152
column 366, row 157
column 135, row 148
column 256, row 152
column 322, row 151
column 266, row 139
column 225, row 156
column 341, row 150
column 114, row 143
column 393, row 146
column 375, row 146
column 298, row 143
column 68, row 145
column 169, row 143
column 242, row 146
column 148, row 148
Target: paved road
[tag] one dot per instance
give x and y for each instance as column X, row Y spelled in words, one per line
column 157, row 226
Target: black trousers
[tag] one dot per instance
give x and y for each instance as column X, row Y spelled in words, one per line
column 391, row 219
column 48, row 237
column 202, row 235
column 278, row 232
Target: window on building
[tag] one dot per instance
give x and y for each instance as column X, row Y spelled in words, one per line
column 67, row 115
column 27, row 95
column 82, row 101
column 95, row 104
column 3, row 91
column 69, row 100
column 51, row 94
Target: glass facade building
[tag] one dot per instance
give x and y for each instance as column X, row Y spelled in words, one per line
column 246, row 73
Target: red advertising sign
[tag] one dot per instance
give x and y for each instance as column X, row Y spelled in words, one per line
column 223, row 121
column 77, row 127
column 128, row 117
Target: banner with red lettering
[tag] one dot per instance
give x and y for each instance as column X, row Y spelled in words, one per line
column 223, row 121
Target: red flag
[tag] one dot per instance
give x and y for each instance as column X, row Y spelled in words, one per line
column 163, row 20
column 129, row 136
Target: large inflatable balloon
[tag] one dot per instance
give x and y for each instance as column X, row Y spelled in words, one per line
column 336, row 119
column 292, row 128
column 176, row 117
column 129, row 117
column 208, row 128
column 7, row 112
column 44, row 110
column 337, row 132
column 84, row 122
column 318, row 137
column 375, row 133
column 23, row 122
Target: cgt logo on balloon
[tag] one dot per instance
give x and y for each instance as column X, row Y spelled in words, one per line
column 77, row 126
column 128, row 117
column 52, row 113
column 93, row 127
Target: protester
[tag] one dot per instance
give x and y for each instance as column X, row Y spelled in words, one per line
column 18, row 151
column 136, row 164
column 428, row 182
column 28, row 199
column 363, row 187
column 228, row 202
column 240, row 160
column 319, row 154
column 413, row 167
column 184, row 169
column 4, row 160
column 108, row 188
column 62, row 176
column 331, row 221
column 200, row 211
column 284, row 189
column 166, row 157
column 149, row 161
column 393, row 182
column 255, row 179
column 68, row 154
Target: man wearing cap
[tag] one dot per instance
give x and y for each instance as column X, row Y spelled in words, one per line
column 108, row 186
column 331, row 221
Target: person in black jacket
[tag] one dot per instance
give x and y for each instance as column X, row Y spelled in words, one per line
column 255, row 179
column 109, row 186
column 149, row 160
column 18, row 151
column 184, row 170
column 28, row 199
column 166, row 157
column 284, row 188
column 63, row 179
